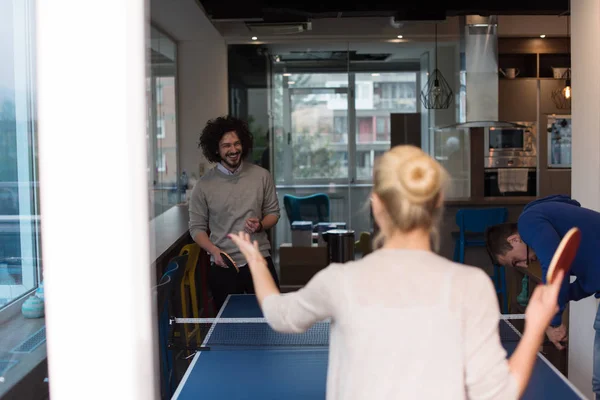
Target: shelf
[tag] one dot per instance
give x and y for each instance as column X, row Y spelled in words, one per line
column 519, row 78
column 525, row 45
column 525, row 63
column 549, row 61
column 535, row 58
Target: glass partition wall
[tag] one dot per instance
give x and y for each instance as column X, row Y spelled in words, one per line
column 331, row 109
column 161, row 94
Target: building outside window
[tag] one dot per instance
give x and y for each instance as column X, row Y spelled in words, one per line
column 318, row 122
column 162, row 123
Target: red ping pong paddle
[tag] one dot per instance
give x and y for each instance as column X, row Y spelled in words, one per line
column 229, row 261
column 564, row 254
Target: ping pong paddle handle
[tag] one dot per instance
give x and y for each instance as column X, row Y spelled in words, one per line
column 229, row 261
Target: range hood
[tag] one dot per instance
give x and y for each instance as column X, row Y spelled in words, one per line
column 479, row 75
column 480, row 124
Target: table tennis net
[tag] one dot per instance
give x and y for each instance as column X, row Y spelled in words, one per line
column 239, row 333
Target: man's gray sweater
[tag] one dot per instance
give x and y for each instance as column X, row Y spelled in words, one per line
column 223, row 203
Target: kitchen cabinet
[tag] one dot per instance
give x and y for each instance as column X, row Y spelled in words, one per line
column 517, row 99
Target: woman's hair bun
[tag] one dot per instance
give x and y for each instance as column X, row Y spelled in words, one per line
column 419, row 177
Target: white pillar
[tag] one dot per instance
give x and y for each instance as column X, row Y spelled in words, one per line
column 585, row 58
column 95, row 228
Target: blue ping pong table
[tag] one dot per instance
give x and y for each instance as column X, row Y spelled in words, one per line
column 285, row 372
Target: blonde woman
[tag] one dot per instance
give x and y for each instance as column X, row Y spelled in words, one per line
column 405, row 322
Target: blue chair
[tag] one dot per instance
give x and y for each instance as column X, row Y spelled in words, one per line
column 313, row 208
column 472, row 224
column 165, row 293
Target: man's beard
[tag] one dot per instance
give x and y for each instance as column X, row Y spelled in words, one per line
column 232, row 164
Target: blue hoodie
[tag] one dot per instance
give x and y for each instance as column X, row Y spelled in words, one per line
column 543, row 224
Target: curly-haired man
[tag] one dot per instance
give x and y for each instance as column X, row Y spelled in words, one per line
column 233, row 196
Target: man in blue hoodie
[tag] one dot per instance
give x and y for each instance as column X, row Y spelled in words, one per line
column 536, row 235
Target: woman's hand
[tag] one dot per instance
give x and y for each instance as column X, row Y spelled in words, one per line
column 248, row 248
column 264, row 285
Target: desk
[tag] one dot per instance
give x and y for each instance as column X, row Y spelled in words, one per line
column 168, row 234
column 167, row 231
column 23, row 364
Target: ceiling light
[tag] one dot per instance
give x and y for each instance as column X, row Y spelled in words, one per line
column 542, row 36
column 287, row 74
column 375, row 74
column 437, row 93
column 567, row 90
column 254, row 38
column 291, row 82
column 400, row 36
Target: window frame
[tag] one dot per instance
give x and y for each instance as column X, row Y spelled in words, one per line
column 26, row 145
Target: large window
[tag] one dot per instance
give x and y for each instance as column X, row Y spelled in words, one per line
column 19, row 217
column 313, row 109
column 329, row 129
column 161, row 90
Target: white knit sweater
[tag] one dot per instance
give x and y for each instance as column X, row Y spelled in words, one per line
column 405, row 324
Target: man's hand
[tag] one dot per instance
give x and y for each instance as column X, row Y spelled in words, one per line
column 253, row 225
column 218, row 259
column 557, row 335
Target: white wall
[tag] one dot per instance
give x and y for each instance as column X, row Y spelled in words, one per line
column 585, row 175
column 202, row 73
column 202, row 95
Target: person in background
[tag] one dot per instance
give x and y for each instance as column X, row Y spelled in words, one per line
column 536, row 236
column 234, row 195
column 265, row 157
column 406, row 322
